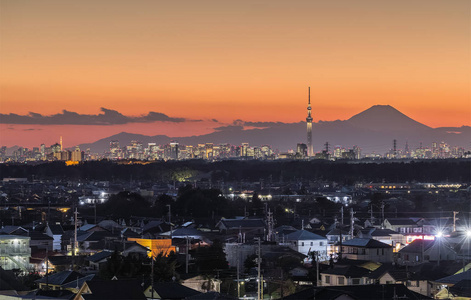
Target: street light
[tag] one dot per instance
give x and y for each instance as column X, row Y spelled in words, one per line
column 439, row 238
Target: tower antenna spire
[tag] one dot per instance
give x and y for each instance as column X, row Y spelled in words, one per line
column 309, row 125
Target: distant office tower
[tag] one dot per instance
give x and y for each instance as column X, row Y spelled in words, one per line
column 244, row 150
column 301, row 149
column 173, row 150
column 310, row 152
column 76, row 155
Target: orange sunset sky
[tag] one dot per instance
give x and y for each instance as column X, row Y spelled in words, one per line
column 228, row 60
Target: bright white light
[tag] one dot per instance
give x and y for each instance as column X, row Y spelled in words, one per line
column 439, row 234
column 468, row 233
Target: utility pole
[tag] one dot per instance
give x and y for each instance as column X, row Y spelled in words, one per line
column 47, row 267
column 75, row 239
column 382, row 214
column 341, row 215
column 238, row 279
column 152, row 275
column 454, row 220
column 170, row 220
column 270, row 225
column 352, row 223
column 371, row 214
column 186, row 256
column 259, row 262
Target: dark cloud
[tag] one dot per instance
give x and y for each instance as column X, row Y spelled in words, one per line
column 239, row 122
column 229, row 128
column 107, row 117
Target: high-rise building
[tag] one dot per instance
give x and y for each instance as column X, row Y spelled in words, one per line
column 76, row 155
column 309, row 125
column 301, row 149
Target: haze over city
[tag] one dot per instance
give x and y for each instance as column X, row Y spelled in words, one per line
column 186, row 68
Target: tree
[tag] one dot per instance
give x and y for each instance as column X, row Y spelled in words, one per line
column 165, row 267
column 210, row 259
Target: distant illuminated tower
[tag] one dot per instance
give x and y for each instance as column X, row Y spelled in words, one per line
column 61, row 142
column 310, row 152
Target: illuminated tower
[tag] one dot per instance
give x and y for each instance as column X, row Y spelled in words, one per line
column 61, row 143
column 309, row 125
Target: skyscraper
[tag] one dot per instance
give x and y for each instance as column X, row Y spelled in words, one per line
column 309, row 125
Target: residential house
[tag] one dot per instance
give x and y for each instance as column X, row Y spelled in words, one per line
column 56, row 232
column 420, row 251
column 344, row 275
column 202, row 283
column 306, row 242
column 13, row 230
column 15, row 252
column 57, row 280
column 367, row 249
column 386, row 236
column 415, row 281
column 169, row 291
column 156, row 246
column 97, row 260
column 86, row 240
column 40, row 240
column 457, row 286
column 249, row 227
column 354, row 292
column 111, row 290
column 333, row 236
column 408, row 225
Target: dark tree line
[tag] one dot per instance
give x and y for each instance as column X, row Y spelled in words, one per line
column 232, row 170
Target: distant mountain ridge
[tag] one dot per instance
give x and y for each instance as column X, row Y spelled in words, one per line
column 385, row 117
column 373, row 130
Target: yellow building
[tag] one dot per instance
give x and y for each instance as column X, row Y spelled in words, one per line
column 156, row 246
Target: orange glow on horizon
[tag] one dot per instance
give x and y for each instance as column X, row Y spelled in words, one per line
column 230, row 60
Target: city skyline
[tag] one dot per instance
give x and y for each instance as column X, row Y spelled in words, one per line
column 187, row 69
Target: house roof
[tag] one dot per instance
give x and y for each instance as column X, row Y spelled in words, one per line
column 363, row 292
column 173, row 290
column 129, row 233
column 186, row 232
column 383, row 269
column 365, row 243
column 462, row 288
column 11, row 229
column 56, row 229
column 87, row 227
column 8, row 281
column 242, row 223
column 79, row 282
column 60, row 278
column 416, row 246
column 11, row 237
column 39, row 236
column 454, row 279
column 348, row 271
column 61, row 260
column 114, row 289
column 336, row 231
column 99, row 256
column 303, row 235
column 95, row 236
